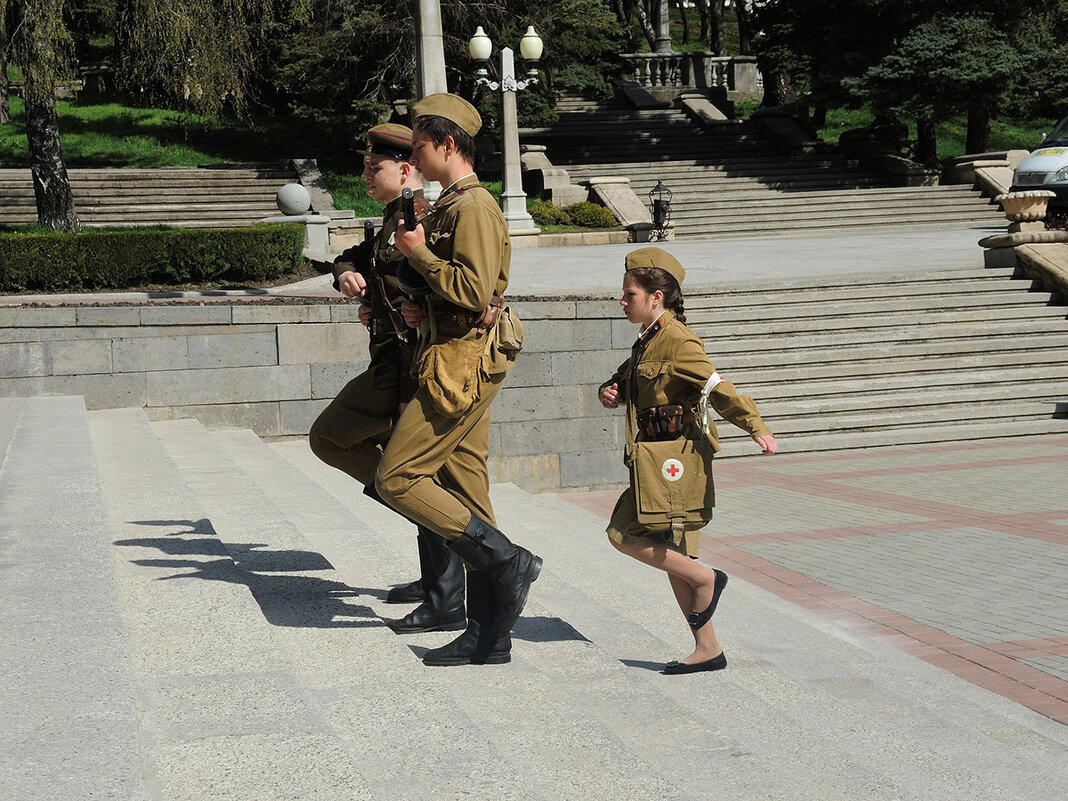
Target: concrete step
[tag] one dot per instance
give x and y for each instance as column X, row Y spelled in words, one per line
column 68, row 720
column 772, row 349
column 807, row 687
column 328, row 572
column 931, row 401
column 829, row 322
column 546, row 648
column 217, row 637
column 889, row 356
column 824, row 441
column 853, row 287
column 10, row 410
column 787, row 384
column 891, row 306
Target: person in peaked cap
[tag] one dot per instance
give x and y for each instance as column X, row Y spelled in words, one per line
column 434, row 467
column 351, row 433
column 667, row 385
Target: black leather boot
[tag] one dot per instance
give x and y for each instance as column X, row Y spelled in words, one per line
column 443, row 609
column 511, row 569
column 480, row 644
column 414, row 592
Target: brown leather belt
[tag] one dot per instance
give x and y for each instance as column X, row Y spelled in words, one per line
column 664, row 422
column 483, row 320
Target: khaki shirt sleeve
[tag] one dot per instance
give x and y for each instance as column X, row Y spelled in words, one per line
column 359, row 256
column 692, row 364
column 466, row 271
column 619, row 377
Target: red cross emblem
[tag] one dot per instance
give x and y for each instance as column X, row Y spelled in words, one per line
column 672, row 469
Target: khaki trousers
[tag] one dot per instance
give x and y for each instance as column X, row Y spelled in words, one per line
column 433, row 470
column 351, row 432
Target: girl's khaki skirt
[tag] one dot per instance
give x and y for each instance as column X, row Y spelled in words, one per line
column 625, row 529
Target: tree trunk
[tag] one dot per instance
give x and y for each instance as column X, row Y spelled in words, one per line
column 778, row 91
column 5, row 108
column 715, row 28
column 745, row 28
column 685, row 21
column 51, row 187
column 646, row 23
column 702, row 13
column 926, row 143
column 978, row 125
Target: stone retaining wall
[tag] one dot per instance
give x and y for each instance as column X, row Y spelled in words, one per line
column 272, row 368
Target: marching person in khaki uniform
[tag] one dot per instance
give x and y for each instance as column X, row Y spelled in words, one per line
column 434, row 470
column 352, row 431
column 667, row 384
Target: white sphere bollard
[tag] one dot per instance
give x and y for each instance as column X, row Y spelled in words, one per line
column 293, row 199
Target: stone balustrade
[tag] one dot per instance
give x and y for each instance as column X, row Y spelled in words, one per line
column 693, row 70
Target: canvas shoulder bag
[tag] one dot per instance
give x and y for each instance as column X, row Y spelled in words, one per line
column 671, row 479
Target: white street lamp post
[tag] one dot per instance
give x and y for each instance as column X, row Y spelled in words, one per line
column 513, row 199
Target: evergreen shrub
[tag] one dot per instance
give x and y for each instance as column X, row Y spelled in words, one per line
column 119, row 259
column 590, row 215
column 545, row 213
column 580, row 215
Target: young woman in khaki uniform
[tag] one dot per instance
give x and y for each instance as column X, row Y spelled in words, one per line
column 668, row 365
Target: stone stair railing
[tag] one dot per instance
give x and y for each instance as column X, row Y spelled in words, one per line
column 693, row 70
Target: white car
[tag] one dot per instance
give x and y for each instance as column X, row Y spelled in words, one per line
column 1047, row 167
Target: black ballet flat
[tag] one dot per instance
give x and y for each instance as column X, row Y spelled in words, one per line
column 679, row 668
column 698, row 619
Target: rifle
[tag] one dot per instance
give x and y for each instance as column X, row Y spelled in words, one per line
column 413, row 284
column 379, row 298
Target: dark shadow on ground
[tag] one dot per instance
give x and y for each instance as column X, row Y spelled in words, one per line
column 276, row 578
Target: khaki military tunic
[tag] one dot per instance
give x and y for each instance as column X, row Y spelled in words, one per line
column 434, row 469
column 352, row 431
column 668, row 364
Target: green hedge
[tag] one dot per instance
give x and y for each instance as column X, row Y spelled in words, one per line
column 582, row 215
column 118, row 259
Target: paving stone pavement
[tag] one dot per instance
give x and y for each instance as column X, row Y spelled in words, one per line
column 956, row 553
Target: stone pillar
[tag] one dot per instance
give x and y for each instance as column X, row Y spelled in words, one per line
column 513, row 199
column 430, row 52
column 663, row 27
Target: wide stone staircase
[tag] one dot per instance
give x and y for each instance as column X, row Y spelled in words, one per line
column 190, row 197
column 876, row 360
column 737, row 179
column 188, row 614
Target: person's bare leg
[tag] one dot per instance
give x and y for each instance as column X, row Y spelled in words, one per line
column 700, row 579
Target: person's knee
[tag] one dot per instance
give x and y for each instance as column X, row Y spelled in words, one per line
column 320, row 443
column 391, row 485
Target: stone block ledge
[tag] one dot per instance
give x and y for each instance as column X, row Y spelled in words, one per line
column 273, row 368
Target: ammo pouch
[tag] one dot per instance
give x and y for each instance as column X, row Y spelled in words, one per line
column 663, row 422
column 671, row 477
column 452, row 373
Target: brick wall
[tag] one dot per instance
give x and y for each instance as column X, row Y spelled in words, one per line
column 272, row 368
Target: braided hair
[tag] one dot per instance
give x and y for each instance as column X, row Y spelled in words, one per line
column 653, row 278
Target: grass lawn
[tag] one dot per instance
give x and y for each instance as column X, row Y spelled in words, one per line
column 1005, row 134
column 111, row 134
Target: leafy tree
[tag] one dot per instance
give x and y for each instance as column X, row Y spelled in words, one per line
column 5, row 108
column 942, row 66
column 196, row 53
column 43, row 47
column 350, row 59
column 840, row 53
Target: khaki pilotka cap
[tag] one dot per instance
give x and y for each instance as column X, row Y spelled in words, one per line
column 655, row 257
column 394, row 141
column 452, row 107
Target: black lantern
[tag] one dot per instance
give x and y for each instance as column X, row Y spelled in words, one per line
column 660, row 206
